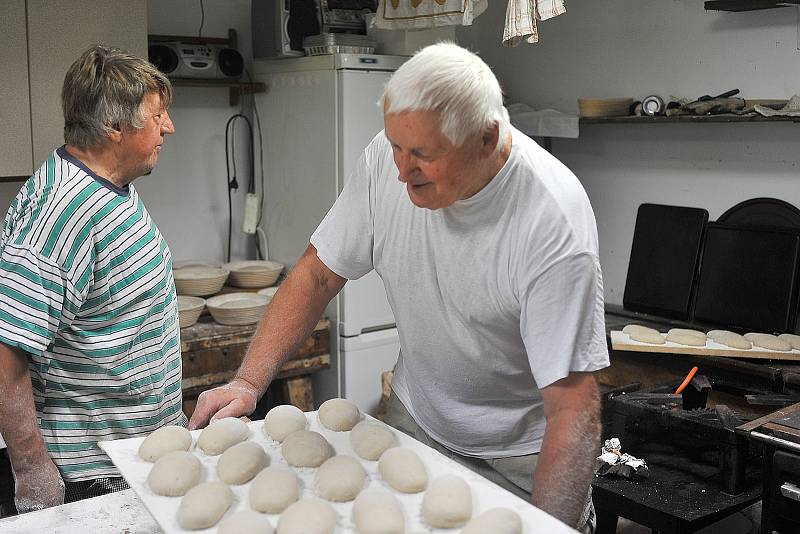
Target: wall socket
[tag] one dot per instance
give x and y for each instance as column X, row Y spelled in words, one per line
column 251, row 209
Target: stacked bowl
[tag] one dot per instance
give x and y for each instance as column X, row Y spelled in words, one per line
column 189, row 310
column 199, row 281
column 237, row 308
column 254, row 273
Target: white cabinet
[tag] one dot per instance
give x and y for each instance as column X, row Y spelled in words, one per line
column 39, row 40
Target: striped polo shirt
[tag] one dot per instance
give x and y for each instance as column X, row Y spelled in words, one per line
column 86, row 290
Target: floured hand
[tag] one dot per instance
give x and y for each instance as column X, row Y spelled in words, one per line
column 234, row 399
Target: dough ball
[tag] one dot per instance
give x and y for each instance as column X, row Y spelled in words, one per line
column 339, row 415
column 175, row 473
column 309, row 516
column 403, row 470
column 306, row 448
column 496, row 521
column 447, row 503
column 730, row 339
column 644, row 334
column 245, row 522
column 274, row 489
column 241, row 462
column 791, row 339
column 221, row 434
column 283, row 420
column 377, row 511
column 204, row 505
column 688, row 332
column 340, row 479
column 165, row 439
column 768, row 341
column 370, row 440
column 684, row 338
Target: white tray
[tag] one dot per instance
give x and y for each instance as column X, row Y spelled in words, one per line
column 485, row 494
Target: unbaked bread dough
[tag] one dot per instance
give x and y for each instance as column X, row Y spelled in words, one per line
column 339, row 415
column 377, row 511
column 768, row 341
column 340, row 479
column 241, row 462
column 274, row 489
column 175, row 473
column 644, row 334
column 309, row 516
column 688, row 332
column 403, row 470
column 683, row 336
column 245, row 522
column 496, row 521
column 306, row 448
column 791, row 339
column 204, row 505
column 447, row 503
column 283, row 420
column 221, row 434
column 370, row 440
column 730, row 339
column 165, row 439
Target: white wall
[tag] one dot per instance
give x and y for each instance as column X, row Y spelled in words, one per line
column 186, row 193
column 666, row 47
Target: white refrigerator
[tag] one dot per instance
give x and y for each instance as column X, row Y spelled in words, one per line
column 317, row 115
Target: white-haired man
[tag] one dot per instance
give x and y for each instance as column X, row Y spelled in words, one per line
column 487, row 247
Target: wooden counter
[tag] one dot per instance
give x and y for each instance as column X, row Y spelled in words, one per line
column 212, row 353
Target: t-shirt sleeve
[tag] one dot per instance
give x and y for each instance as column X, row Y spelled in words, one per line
column 562, row 319
column 344, row 238
column 37, row 296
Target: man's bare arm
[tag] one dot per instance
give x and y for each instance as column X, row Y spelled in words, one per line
column 572, row 437
column 289, row 320
column 38, row 483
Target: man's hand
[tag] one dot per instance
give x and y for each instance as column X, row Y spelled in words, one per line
column 234, row 399
column 37, row 485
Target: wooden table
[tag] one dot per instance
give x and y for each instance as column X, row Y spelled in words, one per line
column 212, row 352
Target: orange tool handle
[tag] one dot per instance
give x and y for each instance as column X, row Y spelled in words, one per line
column 686, row 380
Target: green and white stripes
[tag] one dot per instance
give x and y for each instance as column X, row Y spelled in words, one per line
column 86, row 289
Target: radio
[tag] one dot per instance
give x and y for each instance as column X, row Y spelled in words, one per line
column 206, row 61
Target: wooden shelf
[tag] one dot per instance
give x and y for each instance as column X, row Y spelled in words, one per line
column 683, row 119
column 747, row 5
column 235, row 87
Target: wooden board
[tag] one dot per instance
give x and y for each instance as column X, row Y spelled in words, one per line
column 621, row 341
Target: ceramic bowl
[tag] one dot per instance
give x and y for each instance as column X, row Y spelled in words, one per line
column 199, row 281
column 189, row 310
column 237, row 308
column 252, row 274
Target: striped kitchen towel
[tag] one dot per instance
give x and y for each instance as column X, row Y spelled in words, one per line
column 419, row 14
column 521, row 18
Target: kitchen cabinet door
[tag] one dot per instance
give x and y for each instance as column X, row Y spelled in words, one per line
column 57, row 34
column 15, row 114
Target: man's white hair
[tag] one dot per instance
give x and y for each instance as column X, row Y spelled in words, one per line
column 447, row 78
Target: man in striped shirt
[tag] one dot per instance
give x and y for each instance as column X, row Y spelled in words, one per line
column 89, row 336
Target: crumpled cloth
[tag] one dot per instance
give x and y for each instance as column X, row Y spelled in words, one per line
column 791, row 109
column 521, row 16
column 543, row 122
column 421, row 14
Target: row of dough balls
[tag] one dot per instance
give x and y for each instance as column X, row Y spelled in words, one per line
column 695, row 338
column 176, row 472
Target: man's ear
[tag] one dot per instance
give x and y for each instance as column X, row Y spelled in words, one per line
column 490, row 138
column 114, row 134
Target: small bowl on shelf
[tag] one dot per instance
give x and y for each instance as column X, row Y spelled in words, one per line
column 199, row 281
column 237, row 308
column 189, row 310
column 253, row 274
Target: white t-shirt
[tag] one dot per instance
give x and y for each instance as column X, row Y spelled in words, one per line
column 495, row 296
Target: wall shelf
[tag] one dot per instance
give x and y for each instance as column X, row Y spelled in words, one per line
column 700, row 119
column 747, row 5
column 235, row 87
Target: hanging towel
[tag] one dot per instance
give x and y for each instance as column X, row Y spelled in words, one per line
column 521, row 18
column 420, row 14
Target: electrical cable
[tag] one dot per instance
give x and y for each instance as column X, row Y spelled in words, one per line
column 230, row 161
column 202, row 20
column 261, row 236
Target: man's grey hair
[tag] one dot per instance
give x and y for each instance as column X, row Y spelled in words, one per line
column 103, row 91
column 447, row 78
